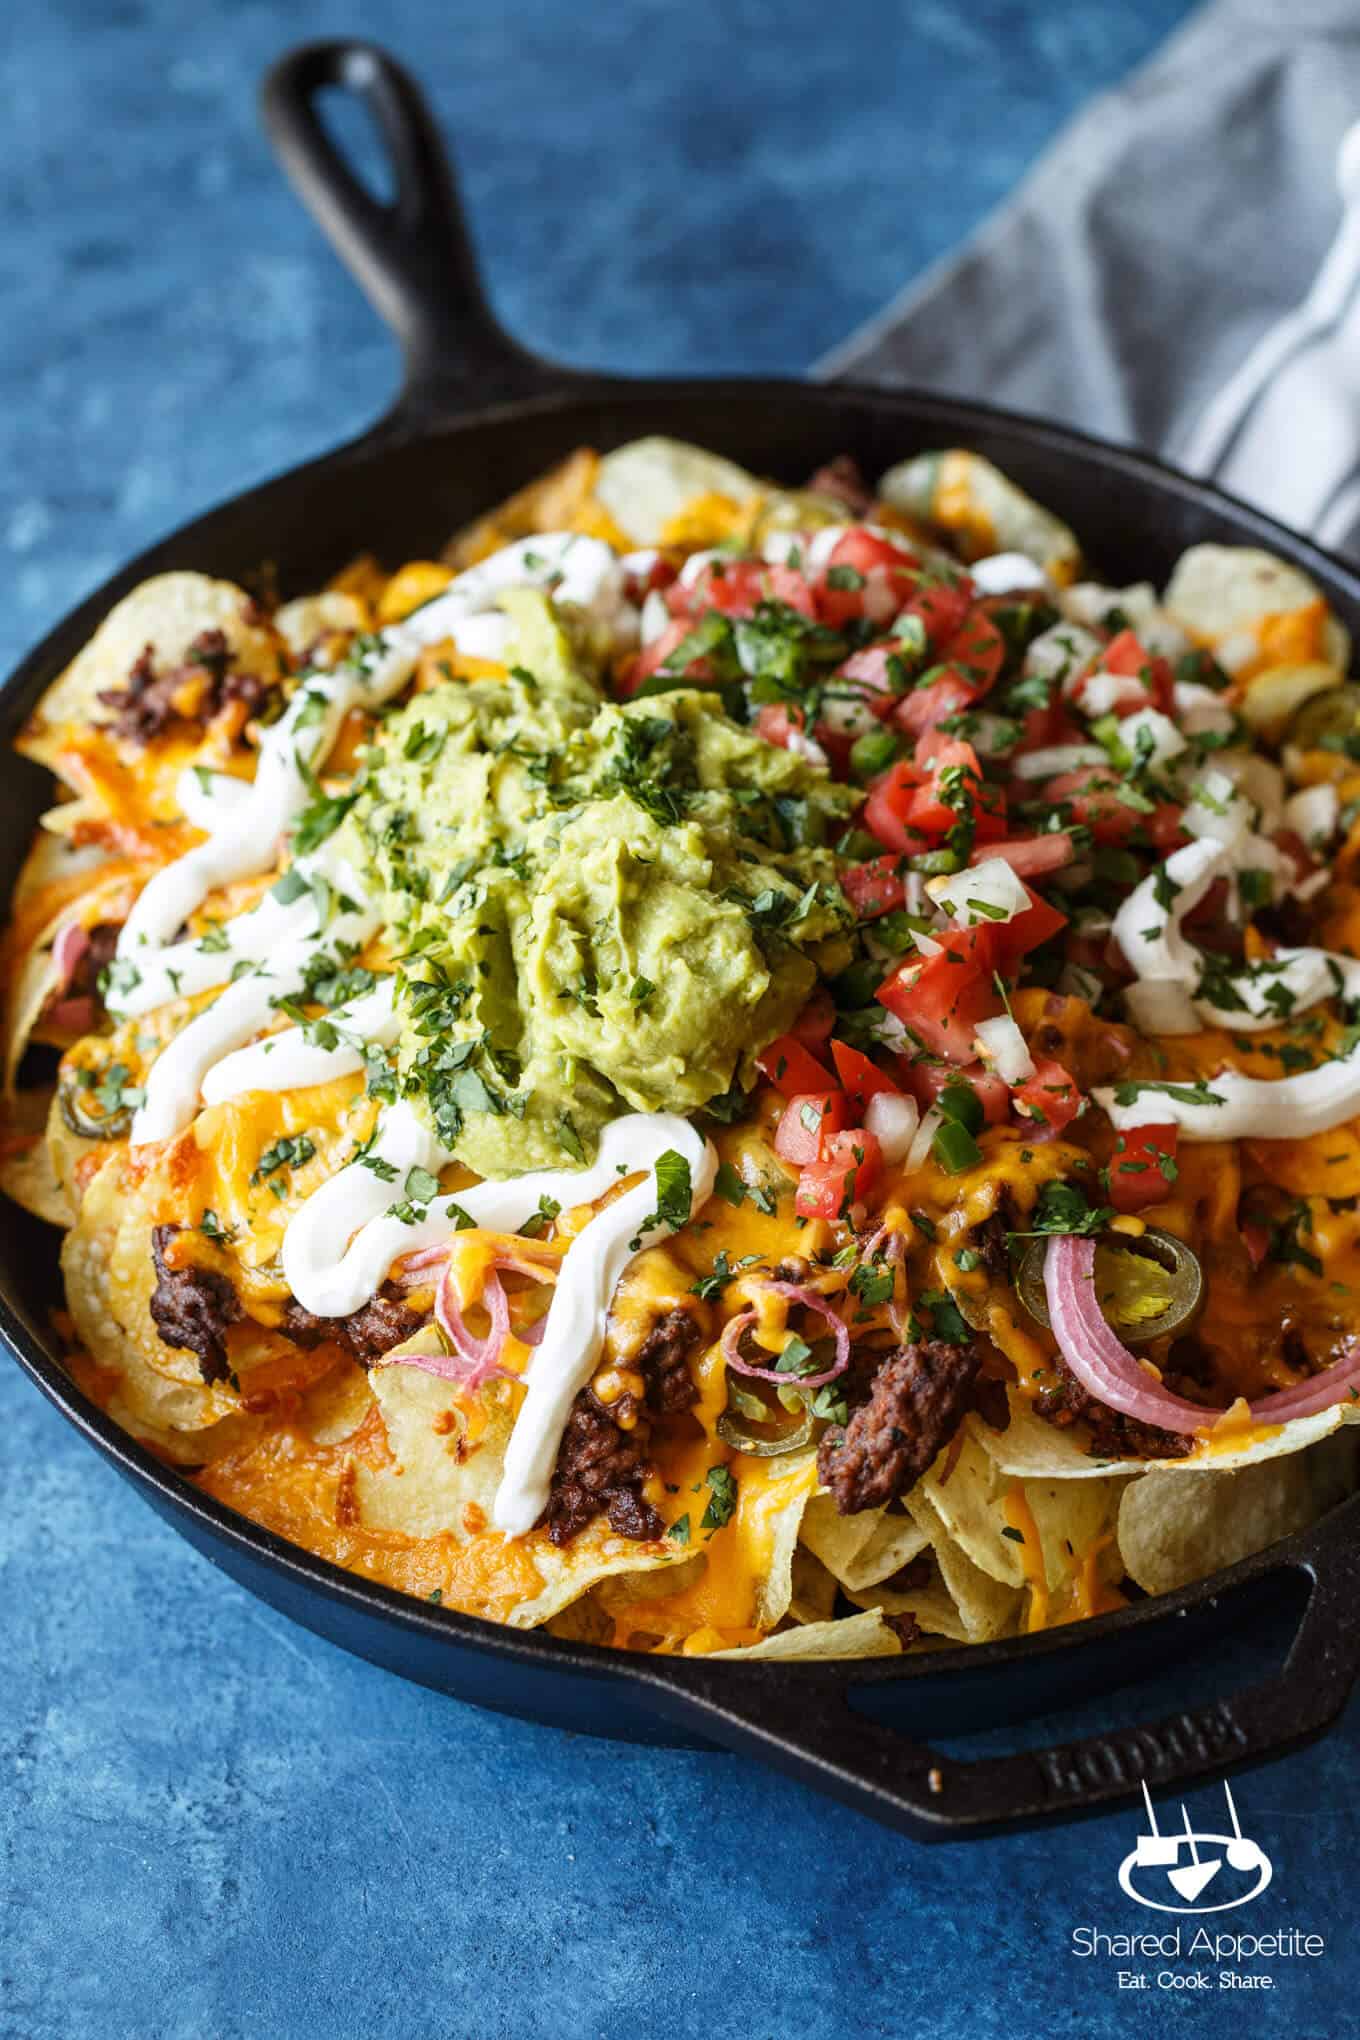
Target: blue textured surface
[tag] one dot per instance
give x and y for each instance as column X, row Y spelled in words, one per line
column 215, row 1824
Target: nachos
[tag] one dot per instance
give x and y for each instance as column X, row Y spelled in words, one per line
column 725, row 1069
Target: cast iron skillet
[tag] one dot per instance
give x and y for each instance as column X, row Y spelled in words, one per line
column 477, row 417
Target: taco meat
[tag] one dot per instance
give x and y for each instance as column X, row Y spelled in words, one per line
column 195, row 691
column 192, row 1307
column 918, row 1396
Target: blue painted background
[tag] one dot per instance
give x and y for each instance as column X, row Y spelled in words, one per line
column 215, row 1825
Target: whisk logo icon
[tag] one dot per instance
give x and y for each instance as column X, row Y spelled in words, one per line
column 1163, row 1868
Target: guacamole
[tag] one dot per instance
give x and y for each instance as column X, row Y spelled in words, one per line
column 596, row 907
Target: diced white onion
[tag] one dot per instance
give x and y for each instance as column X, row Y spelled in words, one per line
column 1236, row 650
column 892, row 1119
column 1063, row 650
column 1005, row 1048
column 1314, row 813
column 989, row 891
column 655, row 617
column 1258, row 778
column 1199, row 710
column 1052, row 759
column 918, row 1154
column 1104, row 693
column 1148, row 733
column 1007, row 573
column 1217, row 809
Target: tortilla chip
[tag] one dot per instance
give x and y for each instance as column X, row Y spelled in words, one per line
column 853, row 1636
column 982, row 510
column 167, row 612
column 1172, row 1532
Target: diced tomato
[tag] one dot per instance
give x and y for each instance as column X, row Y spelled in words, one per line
column 941, row 605
column 1126, row 657
column 867, row 671
column 777, row 722
column 924, row 708
column 646, row 662
column 787, row 585
column 886, row 808
column 827, row 1189
column 860, row 1078
column 926, row 1080
column 1013, row 940
column 976, row 651
column 1049, row 1100
column 816, row 1020
column 793, row 1069
column 1029, row 856
column 1137, row 1175
column 933, row 808
column 737, row 588
column 874, row 888
column 864, row 550
column 660, row 573
column 942, row 1000
column 1092, row 794
column 810, row 1120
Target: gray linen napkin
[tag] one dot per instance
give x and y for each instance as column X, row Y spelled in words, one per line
column 1146, row 279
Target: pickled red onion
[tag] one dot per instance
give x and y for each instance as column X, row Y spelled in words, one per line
column 1105, row 1366
column 67, row 950
column 794, row 1292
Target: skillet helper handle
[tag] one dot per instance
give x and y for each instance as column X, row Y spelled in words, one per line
column 412, row 256
column 800, row 1719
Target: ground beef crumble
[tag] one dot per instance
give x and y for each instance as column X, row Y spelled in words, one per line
column 196, row 690
column 1113, row 1436
column 919, row 1393
column 600, row 1466
column 193, row 1307
column 842, row 479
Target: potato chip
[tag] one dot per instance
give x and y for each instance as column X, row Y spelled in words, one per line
column 1175, row 1531
column 852, row 1636
column 316, row 622
column 557, row 501
column 166, row 613
column 445, row 1467
column 814, row 1588
column 109, row 1272
column 27, row 1171
column 982, row 510
column 648, row 484
column 1031, row 1448
column 986, row 1607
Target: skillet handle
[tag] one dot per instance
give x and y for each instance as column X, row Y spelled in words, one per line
column 412, row 257
column 799, row 1718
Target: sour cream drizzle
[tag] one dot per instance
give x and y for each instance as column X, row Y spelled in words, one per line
column 339, row 1246
column 1148, row 930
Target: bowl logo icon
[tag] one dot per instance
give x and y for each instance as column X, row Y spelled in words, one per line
column 1190, row 1867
